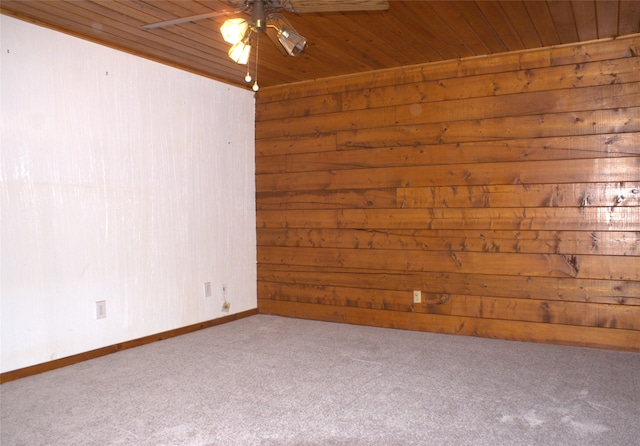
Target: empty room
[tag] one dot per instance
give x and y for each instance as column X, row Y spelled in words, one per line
column 320, row 222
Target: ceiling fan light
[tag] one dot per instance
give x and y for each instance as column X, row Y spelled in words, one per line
column 291, row 41
column 233, row 30
column 239, row 53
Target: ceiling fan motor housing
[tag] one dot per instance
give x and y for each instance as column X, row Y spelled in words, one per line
column 259, row 16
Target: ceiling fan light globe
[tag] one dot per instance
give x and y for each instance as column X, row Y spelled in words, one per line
column 239, row 53
column 233, row 30
column 291, row 41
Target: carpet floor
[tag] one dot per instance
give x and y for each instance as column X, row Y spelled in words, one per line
column 268, row 380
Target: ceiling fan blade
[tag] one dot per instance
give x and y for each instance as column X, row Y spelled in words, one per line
column 338, row 5
column 192, row 18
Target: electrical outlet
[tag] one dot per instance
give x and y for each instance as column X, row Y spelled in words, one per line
column 417, row 296
column 225, row 306
column 101, row 309
column 207, row 289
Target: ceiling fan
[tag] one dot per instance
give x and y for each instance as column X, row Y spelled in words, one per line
column 265, row 18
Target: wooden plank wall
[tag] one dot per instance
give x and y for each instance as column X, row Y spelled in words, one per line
column 505, row 188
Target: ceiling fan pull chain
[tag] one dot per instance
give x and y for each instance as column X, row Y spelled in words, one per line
column 255, row 84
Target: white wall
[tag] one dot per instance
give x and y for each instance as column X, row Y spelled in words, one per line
column 122, row 180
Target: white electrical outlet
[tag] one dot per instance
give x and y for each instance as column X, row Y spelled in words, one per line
column 101, row 309
column 417, row 296
column 207, row 289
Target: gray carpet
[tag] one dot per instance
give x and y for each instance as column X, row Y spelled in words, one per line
column 266, row 380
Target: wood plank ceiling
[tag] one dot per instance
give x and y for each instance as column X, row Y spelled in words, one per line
column 339, row 43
